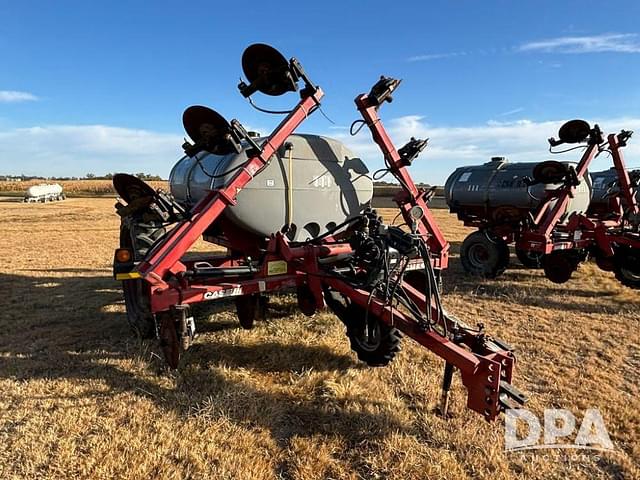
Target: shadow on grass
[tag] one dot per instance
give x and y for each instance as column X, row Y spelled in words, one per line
column 515, row 287
column 66, row 327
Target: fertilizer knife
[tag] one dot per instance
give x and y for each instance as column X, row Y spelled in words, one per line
column 379, row 279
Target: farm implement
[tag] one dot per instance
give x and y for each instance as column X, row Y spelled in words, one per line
column 547, row 215
column 292, row 212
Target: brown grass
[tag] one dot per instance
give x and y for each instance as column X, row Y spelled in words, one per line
column 81, row 398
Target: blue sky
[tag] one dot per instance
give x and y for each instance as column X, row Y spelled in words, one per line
column 101, row 86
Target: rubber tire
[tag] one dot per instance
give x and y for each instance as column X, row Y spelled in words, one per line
column 529, row 259
column 495, row 250
column 389, row 339
column 625, row 257
column 606, row 264
column 136, row 293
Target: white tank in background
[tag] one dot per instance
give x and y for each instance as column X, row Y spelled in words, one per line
column 44, row 192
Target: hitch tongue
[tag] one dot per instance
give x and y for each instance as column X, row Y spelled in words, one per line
column 510, row 397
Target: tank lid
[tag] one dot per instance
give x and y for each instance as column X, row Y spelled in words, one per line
column 496, row 160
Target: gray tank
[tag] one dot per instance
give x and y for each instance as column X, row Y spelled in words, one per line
column 605, row 188
column 328, row 185
column 496, row 193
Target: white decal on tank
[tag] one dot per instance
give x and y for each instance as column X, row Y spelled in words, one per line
column 323, row 181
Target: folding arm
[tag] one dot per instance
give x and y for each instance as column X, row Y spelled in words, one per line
column 165, row 257
column 410, row 196
column 626, row 190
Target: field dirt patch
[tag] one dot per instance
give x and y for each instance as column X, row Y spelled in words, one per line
column 82, row 398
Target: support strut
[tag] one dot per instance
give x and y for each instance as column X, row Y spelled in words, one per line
column 447, row 378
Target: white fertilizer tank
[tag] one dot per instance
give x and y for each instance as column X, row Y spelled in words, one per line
column 44, row 193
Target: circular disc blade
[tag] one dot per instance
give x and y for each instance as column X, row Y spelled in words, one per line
column 200, row 121
column 265, row 63
column 169, row 341
column 208, row 128
column 130, row 188
column 550, row 171
column 574, row 131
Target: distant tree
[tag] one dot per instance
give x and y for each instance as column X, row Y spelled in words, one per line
column 90, row 175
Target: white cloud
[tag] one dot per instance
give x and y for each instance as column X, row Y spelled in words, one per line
column 13, row 96
column 452, row 147
column 609, row 42
column 435, row 56
column 72, row 150
column 511, row 112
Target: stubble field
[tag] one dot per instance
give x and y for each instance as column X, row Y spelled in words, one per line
column 70, row 187
column 81, row 398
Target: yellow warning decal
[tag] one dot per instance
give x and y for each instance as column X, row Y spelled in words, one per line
column 128, row 276
column 277, row 267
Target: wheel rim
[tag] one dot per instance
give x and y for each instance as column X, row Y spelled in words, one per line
column 368, row 339
column 478, row 255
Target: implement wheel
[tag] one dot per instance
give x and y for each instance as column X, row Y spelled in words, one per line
column 139, row 237
column 483, row 256
column 375, row 342
column 627, row 266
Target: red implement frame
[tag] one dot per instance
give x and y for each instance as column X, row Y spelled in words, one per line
column 410, row 195
column 485, row 370
column 626, row 190
column 166, row 256
column 580, row 231
column 486, row 365
column 547, row 218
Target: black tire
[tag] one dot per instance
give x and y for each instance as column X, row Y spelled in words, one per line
column 627, row 266
column 484, row 256
column 139, row 316
column 139, row 237
column 559, row 265
column 378, row 349
column 607, row 264
column 529, row 259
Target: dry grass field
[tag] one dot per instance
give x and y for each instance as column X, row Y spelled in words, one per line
column 71, row 187
column 81, row 398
